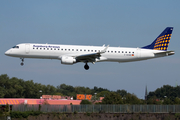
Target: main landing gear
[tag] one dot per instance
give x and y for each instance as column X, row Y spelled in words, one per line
column 86, row 66
column 22, row 59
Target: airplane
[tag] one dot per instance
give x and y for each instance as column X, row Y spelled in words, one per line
column 71, row 54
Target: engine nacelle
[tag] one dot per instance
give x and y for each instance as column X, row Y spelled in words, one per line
column 67, row 60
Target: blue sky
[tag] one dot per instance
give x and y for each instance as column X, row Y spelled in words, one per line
column 115, row 23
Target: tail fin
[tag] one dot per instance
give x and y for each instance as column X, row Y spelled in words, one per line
column 162, row 41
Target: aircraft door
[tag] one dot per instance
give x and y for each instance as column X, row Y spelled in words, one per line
column 27, row 47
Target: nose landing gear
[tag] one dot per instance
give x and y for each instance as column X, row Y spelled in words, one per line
column 22, row 59
column 86, row 66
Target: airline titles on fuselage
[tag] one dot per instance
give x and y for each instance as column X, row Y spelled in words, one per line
column 48, row 46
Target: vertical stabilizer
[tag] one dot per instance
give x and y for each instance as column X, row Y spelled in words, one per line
column 162, row 41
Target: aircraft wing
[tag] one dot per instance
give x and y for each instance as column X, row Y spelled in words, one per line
column 90, row 57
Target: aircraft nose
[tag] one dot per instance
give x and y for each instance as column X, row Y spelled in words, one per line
column 7, row 52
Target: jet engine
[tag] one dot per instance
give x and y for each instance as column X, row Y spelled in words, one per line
column 67, row 60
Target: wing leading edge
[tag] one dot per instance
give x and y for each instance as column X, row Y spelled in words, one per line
column 91, row 57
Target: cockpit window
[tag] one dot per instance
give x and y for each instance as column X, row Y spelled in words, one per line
column 15, row 47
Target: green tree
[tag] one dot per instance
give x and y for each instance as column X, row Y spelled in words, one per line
column 66, row 90
column 102, row 94
column 122, row 92
column 154, row 100
column 112, row 98
column 30, row 90
column 2, row 92
column 167, row 101
column 177, row 100
column 131, row 99
column 58, row 93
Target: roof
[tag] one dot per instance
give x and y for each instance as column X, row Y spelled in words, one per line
column 15, row 101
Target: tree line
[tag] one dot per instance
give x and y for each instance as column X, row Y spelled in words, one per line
column 165, row 95
column 18, row 88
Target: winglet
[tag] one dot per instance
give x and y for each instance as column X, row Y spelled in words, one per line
column 103, row 51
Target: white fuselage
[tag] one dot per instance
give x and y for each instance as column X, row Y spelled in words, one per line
column 70, row 54
column 55, row 51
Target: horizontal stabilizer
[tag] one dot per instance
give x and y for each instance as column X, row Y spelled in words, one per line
column 167, row 53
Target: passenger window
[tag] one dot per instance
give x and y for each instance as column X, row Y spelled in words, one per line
column 72, row 49
column 122, row 51
column 44, row 48
column 88, row 50
column 118, row 51
column 126, row 51
column 33, row 48
column 95, row 50
column 111, row 51
column 54, row 49
column 76, row 49
column 91, row 50
column 115, row 51
column 69, row 49
column 129, row 52
column 47, row 48
column 61, row 49
column 36, row 48
column 51, row 48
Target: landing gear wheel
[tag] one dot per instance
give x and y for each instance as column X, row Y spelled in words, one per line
column 22, row 59
column 22, row 64
column 86, row 67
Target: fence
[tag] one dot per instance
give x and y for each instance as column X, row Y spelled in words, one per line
column 100, row 108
